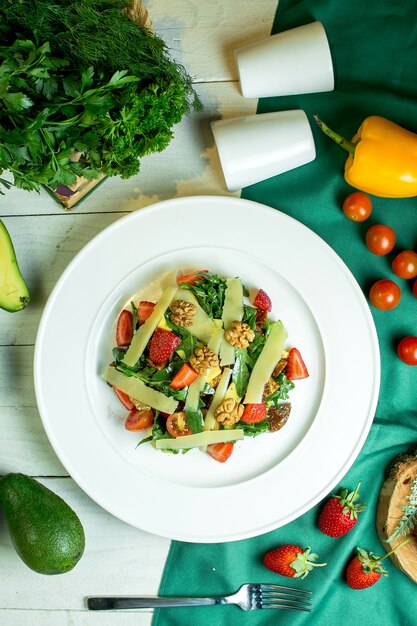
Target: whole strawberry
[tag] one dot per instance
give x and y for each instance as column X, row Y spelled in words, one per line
column 340, row 514
column 365, row 569
column 291, row 560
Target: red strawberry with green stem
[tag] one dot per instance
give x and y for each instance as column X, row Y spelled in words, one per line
column 291, row 560
column 340, row 514
column 365, row 569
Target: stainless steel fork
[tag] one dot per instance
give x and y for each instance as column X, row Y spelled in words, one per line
column 249, row 597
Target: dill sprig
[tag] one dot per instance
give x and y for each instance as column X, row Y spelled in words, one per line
column 409, row 517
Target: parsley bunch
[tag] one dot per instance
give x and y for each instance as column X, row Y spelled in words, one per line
column 84, row 91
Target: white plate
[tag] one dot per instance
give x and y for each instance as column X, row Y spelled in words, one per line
column 269, row 480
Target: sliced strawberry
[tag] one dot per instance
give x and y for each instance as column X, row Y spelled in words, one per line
column 184, row 377
column 254, row 413
column 296, row 368
column 139, row 419
column 190, row 279
column 220, row 451
column 124, row 399
column 262, row 301
column 145, row 310
column 162, row 345
column 124, row 328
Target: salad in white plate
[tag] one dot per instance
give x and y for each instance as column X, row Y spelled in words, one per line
column 203, row 366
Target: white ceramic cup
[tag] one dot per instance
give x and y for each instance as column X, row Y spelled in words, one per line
column 257, row 147
column 292, row 62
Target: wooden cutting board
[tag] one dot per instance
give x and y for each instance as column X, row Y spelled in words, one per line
column 393, row 496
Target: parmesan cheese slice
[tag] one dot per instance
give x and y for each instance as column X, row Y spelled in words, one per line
column 203, row 326
column 137, row 389
column 232, row 311
column 209, row 420
column 146, row 330
column 264, row 366
column 198, row 440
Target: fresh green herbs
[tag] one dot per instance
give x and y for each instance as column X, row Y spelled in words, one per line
column 209, row 292
column 84, row 91
column 249, row 316
column 252, row 430
column 282, row 393
column 409, row 518
column 195, row 421
column 241, row 372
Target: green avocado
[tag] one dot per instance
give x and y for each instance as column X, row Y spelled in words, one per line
column 47, row 534
column 14, row 294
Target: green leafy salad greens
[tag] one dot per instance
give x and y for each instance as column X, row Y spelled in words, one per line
column 210, row 294
column 84, row 91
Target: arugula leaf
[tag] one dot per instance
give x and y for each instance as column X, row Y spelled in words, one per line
column 195, row 421
column 240, row 373
column 252, row 430
column 282, row 393
column 249, row 316
column 158, row 432
column 209, row 293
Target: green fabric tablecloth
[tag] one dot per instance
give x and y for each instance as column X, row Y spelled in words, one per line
column 374, row 50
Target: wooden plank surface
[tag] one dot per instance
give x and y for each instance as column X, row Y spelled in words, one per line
column 119, row 559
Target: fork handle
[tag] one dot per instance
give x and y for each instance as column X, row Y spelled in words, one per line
column 112, row 603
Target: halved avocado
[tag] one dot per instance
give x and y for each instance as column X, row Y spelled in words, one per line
column 14, row 294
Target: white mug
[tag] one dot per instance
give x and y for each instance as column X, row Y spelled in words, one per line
column 256, row 147
column 292, row 62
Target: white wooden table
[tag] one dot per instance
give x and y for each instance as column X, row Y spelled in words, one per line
column 118, row 559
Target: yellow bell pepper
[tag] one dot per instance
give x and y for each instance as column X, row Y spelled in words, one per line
column 382, row 158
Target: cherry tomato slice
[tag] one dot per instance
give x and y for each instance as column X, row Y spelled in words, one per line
column 139, row 420
column 407, row 350
column 385, row 295
column 380, row 239
column 177, row 425
column 405, row 264
column 357, row 207
column 124, row 399
column 190, row 279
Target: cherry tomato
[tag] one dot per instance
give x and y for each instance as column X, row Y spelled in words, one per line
column 177, row 425
column 405, row 264
column 415, row 288
column 357, row 207
column 385, row 295
column 139, row 420
column 380, row 239
column 407, row 350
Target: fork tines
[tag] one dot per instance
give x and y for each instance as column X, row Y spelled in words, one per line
column 281, row 597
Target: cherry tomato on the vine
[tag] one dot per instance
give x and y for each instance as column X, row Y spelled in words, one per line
column 385, row 295
column 407, row 350
column 405, row 264
column 357, row 207
column 380, row 239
